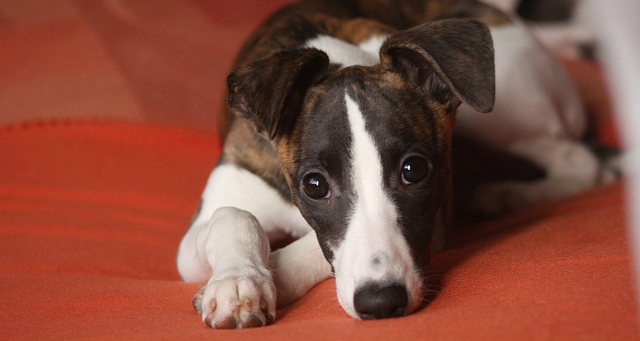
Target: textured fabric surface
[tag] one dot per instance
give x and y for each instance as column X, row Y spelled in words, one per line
column 92, row 214
column 107, row 113
column 143, row 60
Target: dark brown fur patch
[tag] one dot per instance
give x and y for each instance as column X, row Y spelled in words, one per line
column 459, row 51
column 253, row 152
column 268, row 92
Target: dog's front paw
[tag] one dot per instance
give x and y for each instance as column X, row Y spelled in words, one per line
column 237, row 301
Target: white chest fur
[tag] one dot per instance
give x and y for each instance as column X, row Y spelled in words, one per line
column 230, row 186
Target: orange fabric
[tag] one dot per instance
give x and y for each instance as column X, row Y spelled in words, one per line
column 92, row 214
column 91, row 211
column 158, row 61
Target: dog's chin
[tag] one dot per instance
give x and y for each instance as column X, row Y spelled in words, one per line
column 345, row 298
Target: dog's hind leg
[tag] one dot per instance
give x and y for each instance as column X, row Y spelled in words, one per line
column 570, row 166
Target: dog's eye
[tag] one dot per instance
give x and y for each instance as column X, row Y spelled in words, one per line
column 315, row 186
column 414, row 169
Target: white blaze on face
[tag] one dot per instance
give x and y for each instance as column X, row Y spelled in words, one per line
column 374, row 248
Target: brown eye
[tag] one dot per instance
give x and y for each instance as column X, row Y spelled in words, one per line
column 414, row 169
column 315, row 186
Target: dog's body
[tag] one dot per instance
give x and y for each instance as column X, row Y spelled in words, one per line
column 343, row 141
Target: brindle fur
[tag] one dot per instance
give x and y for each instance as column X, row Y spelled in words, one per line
column 352, row 21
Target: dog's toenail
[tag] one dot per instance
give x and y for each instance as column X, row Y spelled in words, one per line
column 208, row 320
column 228, row 323
column 263, row 304
column 254, row 321
column 270, row 318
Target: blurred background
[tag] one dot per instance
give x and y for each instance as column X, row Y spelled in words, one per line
column 153, row 61
column 164, row 63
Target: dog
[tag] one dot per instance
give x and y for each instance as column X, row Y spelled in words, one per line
column 340, row 135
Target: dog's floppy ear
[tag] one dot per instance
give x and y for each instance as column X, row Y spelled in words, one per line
column 269, row 92
column 444, row 57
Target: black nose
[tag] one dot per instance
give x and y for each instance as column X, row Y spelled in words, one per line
column 373, row 301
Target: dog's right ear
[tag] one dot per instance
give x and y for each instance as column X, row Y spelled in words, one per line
column 269, row 93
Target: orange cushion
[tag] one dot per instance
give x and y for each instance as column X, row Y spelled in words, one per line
column 92, row 214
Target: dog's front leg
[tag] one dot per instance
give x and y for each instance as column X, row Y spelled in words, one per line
column 298, row 267
column 240, row 292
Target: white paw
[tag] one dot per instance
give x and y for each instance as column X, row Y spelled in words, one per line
column 237, row 301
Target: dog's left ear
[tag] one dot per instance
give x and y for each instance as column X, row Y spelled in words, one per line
column 270, row 92
column 445, row 57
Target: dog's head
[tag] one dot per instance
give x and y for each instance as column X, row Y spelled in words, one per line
column 365, row 149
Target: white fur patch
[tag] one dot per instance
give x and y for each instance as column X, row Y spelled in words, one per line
column 230, row 186
column 373, row 230
column 372, row 45
column 346, row 54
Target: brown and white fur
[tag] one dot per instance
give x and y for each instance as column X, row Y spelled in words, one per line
column 342, row 139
